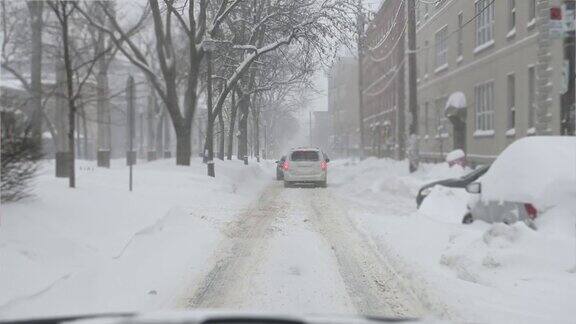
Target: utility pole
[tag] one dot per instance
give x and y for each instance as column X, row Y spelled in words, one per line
column 413, row 153
column 360, row 45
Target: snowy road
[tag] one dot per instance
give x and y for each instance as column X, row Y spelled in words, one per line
column 295, row 250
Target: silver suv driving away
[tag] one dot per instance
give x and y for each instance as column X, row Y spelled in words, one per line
column 306, row 166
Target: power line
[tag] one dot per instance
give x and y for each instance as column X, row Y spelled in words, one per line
column 389, row 32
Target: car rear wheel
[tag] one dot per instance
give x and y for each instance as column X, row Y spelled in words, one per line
column 467, row 219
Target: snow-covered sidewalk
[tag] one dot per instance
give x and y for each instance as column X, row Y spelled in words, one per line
column 481, row 272
column 101, row 248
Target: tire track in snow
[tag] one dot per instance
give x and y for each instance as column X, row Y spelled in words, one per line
column 239, row 254
column 372, row 283
column 366, row 278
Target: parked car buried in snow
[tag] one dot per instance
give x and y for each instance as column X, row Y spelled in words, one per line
column 529, row 177
column 461, row 182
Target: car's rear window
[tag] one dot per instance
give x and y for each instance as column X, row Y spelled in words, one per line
column 305, row 156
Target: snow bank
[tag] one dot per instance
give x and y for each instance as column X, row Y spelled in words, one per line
column 455, row 155
column 481, row 272
column 100, row 248
column 540, row 170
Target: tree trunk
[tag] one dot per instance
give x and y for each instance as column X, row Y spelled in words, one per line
column 141, row 135
column 78, row 142
column 243, row 127
column 232, row 128
column 167, row 138
column 210, row 119
column 257, row 134
column 70, row 95
column 159, row 132
column 102, row 110
column 86, row 152
column 183, row 146
column 151, row 112
column 221, row 136
column 35, row 9
column 61, row 108
column 103, row 140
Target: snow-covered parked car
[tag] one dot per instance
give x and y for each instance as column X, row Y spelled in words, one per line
column 460, row 182
column 529, row 177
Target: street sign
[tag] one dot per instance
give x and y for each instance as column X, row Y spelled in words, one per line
column 556, row 29
column 556, row 24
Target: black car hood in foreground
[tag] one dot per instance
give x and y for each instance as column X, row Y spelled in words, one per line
column 214, row 317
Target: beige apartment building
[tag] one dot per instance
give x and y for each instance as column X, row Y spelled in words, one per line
column 490, row 72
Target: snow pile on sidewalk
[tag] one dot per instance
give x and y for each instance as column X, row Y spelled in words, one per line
column 101, row 248
column 480, row 272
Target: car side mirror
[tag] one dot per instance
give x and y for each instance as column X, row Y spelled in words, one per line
column 474, row 188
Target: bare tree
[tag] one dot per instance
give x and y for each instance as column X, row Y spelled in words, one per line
column 260, row 28
column 15, row 45
column 191, row 18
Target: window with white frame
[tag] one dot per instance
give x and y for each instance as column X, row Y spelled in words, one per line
column 511, row 14
column 441, row 39
column 484, row 21
column 511, row 101
column 484, row 102
column 531, row 10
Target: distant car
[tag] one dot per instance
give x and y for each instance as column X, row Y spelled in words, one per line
column 530, row 176
column 279, row 168
column 306, row 166
column 461, row 182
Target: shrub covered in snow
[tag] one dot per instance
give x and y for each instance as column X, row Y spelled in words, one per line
column 19, row 165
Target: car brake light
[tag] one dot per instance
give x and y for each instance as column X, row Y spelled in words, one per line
column 324, row 165
column 531, row 211
column 285, row 166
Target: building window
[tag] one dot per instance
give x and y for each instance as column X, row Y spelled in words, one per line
column 484, row 22
column 531, row 10
column 531, row 96
column 511, row 101
column 460, row 34
column 484, row 102
column 511, row 15
column 441, row 39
